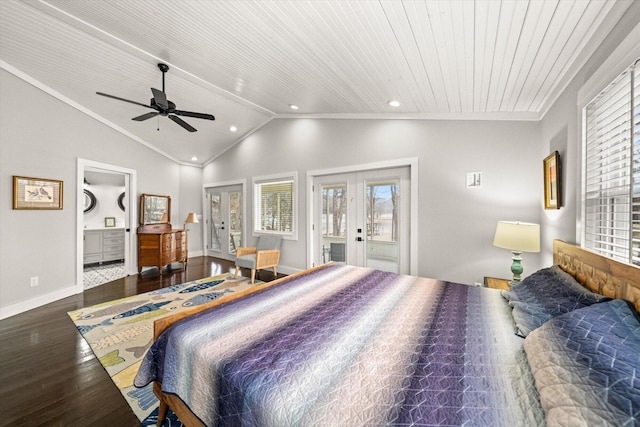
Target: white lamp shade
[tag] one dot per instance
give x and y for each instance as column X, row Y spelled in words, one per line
column 517, row 236
column 192, row 218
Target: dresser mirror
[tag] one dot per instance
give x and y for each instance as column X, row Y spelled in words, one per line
column 155, row 209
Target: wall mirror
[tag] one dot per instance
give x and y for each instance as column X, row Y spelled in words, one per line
column 155, row 209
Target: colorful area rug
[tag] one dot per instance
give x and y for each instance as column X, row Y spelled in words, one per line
column 120, row 332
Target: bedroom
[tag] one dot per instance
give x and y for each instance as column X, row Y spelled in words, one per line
column 459, row 248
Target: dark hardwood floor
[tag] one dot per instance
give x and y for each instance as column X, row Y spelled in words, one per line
column 48, row 374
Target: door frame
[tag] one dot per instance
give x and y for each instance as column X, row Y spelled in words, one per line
column 206, row 209
column 411, row 163
column 131, row 215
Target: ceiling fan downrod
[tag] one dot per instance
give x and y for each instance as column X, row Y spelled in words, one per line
column 164, row 68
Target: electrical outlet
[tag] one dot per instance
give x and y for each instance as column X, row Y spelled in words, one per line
column 478, row 284
column 34, row 281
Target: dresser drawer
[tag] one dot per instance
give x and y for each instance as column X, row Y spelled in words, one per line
column 113, row 234
column 118, row 247
column 113, row 240
column 90, row 259
column 168, row 257
column 112, row 256
column 168, row 246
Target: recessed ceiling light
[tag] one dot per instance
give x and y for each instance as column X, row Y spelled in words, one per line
column 293, row 106
column 233, row 128
column 194, row 158
column 394, row 103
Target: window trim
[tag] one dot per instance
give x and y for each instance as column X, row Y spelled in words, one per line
column 265, row 179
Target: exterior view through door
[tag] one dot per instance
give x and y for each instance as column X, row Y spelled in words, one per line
column 225, row 222
column 363, row 218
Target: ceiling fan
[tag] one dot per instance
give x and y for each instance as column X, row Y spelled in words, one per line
column 163, row 106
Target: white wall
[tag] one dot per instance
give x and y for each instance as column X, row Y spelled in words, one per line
column 43, row 137
column 106, row 206
column 456, row 225
column 191, row 201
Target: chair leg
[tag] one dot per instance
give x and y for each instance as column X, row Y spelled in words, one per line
column 235, row 272
column 253, row 275
column 275, row 273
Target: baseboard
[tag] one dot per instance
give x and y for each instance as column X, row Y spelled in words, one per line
column 39, row 301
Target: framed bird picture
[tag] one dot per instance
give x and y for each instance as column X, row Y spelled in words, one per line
column 36, row 193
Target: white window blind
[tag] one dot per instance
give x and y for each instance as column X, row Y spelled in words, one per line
column 275, row 205
column 612, row 169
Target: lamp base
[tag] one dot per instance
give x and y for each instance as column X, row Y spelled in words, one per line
column 516, row 267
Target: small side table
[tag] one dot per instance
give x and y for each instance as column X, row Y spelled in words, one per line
column 495, row 283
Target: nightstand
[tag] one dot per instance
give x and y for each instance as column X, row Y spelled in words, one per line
column 495, row 283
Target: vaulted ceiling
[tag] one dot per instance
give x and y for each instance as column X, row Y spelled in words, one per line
column 246, row 62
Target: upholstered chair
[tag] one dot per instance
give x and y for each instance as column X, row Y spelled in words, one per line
column 266, row 254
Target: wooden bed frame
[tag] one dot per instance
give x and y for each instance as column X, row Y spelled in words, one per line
column 597, row 273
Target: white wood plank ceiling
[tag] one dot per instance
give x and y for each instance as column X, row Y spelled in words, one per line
column 247, row 61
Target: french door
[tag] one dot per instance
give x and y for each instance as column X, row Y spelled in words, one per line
column 225, row 222
column 363, row 219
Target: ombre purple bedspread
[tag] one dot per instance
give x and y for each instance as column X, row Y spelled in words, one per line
column 349, row 346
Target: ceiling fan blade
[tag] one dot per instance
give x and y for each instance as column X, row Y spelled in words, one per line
column 182, row 123
column 161, row 98
column 145, row 116
column 122, row 99
column 195, row 115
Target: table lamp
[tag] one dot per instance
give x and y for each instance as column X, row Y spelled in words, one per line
column 518, row 237
column 192, row 218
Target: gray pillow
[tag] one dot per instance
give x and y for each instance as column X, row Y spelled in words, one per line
column 544, row 295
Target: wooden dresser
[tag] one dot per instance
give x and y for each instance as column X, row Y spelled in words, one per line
column 160, row 245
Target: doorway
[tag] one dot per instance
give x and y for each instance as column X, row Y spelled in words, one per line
column 110, row 237
column 363, row 219
column 225, row 225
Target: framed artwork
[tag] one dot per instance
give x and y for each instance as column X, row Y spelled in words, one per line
column 36, row 193
column 109, row 221
column 552, row 181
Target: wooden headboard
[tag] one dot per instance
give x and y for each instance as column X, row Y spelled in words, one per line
column 599, row 274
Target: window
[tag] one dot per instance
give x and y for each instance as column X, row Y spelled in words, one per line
column 612, row 169
column 275, row 205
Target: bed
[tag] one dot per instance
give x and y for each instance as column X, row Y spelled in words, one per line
column 341, row 345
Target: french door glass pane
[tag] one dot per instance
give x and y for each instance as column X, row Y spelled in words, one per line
column 334, row 222
column 382, row 216
column 216, row 221
column 235, row 221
